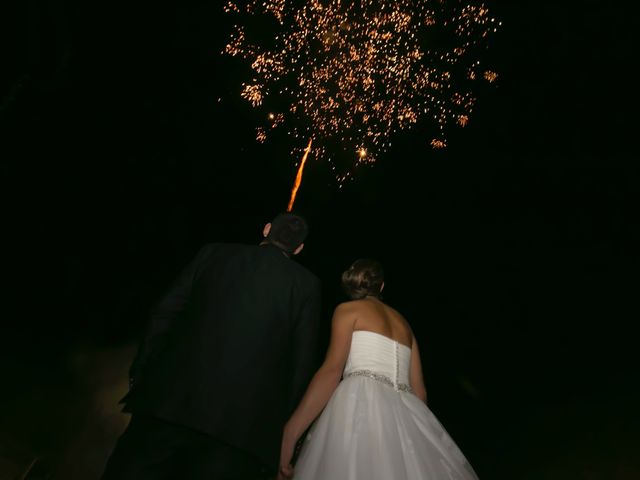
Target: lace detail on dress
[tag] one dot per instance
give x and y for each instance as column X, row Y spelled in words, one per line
column 403, row 387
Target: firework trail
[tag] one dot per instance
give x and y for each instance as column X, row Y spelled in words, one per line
column 296, row 185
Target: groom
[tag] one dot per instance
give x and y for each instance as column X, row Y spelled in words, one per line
column 228, row 354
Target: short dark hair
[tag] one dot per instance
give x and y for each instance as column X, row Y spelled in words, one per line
column 288, row 231
column 364, row 277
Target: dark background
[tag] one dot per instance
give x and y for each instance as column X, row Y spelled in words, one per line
column 513, row 253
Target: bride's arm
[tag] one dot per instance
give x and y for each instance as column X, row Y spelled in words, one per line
column 415, row 373
column 323, row 383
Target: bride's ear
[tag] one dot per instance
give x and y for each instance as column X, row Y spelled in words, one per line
column 299, row 249
column 381, row 287
column 266, row 230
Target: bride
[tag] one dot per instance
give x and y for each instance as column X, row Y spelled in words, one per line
column 369, row 393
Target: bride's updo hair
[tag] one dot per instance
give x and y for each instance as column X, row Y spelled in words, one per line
column 364, row 277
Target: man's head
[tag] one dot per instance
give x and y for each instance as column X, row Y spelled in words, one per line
column 287, row 232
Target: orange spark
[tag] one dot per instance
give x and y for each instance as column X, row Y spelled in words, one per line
column 296, row 185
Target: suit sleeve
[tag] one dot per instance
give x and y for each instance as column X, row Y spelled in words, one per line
column 166, row 312
column 306, row 344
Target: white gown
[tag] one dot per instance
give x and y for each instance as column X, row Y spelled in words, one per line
column 374, row 428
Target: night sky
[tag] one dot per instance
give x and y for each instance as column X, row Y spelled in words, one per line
column 513, row 253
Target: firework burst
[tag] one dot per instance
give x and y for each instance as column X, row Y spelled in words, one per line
column 351, row 74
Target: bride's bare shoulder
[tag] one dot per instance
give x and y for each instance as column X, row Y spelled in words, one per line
column 396, row 312
column 349, row 305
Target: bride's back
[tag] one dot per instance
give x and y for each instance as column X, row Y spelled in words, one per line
column 375, row 316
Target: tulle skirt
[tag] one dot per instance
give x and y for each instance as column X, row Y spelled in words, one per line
column 370, row 431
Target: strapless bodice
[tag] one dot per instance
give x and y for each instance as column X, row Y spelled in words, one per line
column 380, row 355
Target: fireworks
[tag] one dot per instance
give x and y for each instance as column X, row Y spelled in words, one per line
column 351, row 74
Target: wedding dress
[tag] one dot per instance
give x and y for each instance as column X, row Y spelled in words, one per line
column 375, row 428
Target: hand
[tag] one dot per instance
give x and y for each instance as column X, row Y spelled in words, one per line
column 286, row 455
column 285, row 472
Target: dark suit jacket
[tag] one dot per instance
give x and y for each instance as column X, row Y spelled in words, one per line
column 231, row 347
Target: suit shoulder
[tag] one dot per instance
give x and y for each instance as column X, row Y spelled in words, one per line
column 208, row 246
column 225, row 247
column 305, row 273
column 304, row 278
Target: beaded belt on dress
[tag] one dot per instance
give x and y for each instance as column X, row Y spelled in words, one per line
column 403, row 387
